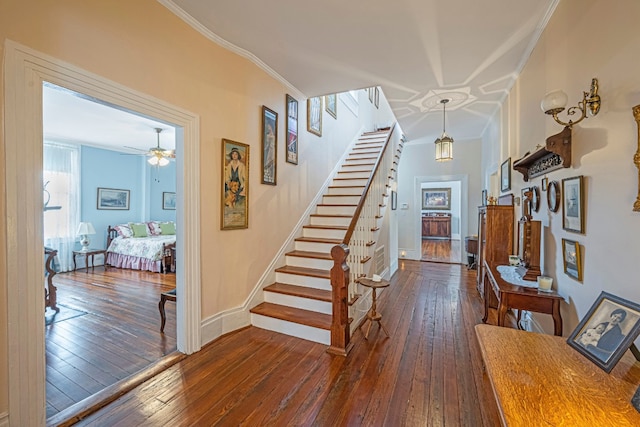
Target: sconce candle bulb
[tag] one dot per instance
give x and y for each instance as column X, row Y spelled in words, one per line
column 555, row 102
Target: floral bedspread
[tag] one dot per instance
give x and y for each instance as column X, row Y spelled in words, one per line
column 143, row 247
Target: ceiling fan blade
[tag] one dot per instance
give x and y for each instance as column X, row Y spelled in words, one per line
column 137, row 149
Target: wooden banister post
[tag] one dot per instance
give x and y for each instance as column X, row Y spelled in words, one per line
column 340, row 332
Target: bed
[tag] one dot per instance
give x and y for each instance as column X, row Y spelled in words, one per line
column 146, row 246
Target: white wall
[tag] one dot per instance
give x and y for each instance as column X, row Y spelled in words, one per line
column 584, row 39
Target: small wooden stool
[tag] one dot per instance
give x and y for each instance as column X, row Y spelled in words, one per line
column 169, row 295
column 372, row 314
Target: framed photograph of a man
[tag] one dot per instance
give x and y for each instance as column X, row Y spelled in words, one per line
column 607, row 331
column 573, row 204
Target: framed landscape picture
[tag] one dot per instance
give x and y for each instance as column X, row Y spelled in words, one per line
column 168, row 201
column 314, row 115
column 269, row 146
column 571, row 259
column 573, row 204
column 235, row 185
column 292, row 130
column 113, row 199
column 330, row 102
column 607, row 330
column 436, row 198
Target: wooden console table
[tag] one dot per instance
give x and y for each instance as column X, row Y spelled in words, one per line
column 436, row 226
column 503, row 295
column 539, row 380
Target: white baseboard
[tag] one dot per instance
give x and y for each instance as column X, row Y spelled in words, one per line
column 222, row 323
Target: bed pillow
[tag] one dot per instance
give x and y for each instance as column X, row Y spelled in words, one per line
column 139, row 229
column 123, row 230
column 154, row 228
column 168, row 228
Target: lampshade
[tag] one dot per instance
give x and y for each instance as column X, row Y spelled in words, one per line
column 158, row 161
column 554, row 101
column 85, row 228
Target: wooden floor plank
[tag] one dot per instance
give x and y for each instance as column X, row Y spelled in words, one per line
column 428, row 372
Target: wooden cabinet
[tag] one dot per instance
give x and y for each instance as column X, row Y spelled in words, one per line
column 495, row 238
column 436, row 226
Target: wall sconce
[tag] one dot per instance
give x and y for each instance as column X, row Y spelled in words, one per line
column 555, row 102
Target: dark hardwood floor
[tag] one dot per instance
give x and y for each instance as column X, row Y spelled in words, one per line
column 428, row 372
column 108, row 328
column 441, row 250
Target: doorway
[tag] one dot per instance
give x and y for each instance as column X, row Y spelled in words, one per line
column 25, row 72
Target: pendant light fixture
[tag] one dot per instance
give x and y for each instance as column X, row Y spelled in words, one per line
column 444, row 144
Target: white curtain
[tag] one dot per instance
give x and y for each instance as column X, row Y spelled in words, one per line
column 61, row 172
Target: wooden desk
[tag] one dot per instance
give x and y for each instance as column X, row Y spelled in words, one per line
column 505, row 296
column 538, row 380
column 90, row 253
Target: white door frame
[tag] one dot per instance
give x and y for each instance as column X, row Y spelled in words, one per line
column 24, row 72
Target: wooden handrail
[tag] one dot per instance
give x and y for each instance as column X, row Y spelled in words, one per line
column 341, row 271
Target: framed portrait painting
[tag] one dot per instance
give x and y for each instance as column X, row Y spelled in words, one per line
column 113, row 199
column 168, row 201
column 607, row 330
column 331, row 105
column 436, row 198
column 314, row 115
column 505, row 175
column 269, row 146
column 572, row 259
column 292, row 130
column 235, row 185
column 573, row 204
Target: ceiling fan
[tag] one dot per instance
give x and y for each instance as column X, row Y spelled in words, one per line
column 158, row 156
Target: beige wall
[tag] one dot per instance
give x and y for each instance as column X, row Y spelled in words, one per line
column 584, row 39
column 143, row 46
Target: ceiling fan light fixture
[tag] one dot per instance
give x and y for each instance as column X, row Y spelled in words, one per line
column 153, row 161
column 444, row 144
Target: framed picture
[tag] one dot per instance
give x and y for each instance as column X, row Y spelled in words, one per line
column 113, row 199
column 607, row 331
column 314, row 115
column 545, row 182
column 269, row 146
column 376, row 97
column 572, row 204
column 292, row 130
column 484, row 197
column 571, row 259
column 553, row 196
column 394, row 200
column 505, row 175
column 168, row 201
column 235, row 185
column 370, row 91
column 331, row 105
column 436, row 198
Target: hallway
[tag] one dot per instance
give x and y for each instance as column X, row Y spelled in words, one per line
column 441, row 250
column 428, row 372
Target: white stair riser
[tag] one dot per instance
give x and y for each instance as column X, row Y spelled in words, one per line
column 304, row 332
column 311, row 282
column 354, row 191
column 323, row 233
column 330, row 220
column 314, row 247
column 340, row 200
column 298, row 261
column 362, row 154
column 351, row 168
column 298, row 302
column 336, row 210
column 353, row 175
column 349, row 182
column 359, row 161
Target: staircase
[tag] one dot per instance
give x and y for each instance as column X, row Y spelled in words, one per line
column 299, row 302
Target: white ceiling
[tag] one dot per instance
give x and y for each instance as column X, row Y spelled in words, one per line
column 417, row 51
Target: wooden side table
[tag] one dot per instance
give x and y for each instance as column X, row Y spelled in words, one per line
column 372, row 314
column 89, row 253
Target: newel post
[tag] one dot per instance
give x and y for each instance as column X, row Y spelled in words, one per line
column 340, row 333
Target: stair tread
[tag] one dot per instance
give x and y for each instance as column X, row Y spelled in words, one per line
column 327, row 227
column 336, row 204
column 300, row 291
column 310, row 254
column 295, row 315
column 318, row 240
column 305, row 271
column 346, row 186
column 331, row 215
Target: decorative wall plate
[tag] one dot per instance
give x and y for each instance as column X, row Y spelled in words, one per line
column 553, row 196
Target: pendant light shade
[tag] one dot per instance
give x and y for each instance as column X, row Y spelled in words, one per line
column 444, row 144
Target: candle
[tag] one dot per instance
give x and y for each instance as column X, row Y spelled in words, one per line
column 544, row 283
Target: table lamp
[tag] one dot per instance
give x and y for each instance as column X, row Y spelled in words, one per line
column 84, row 229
